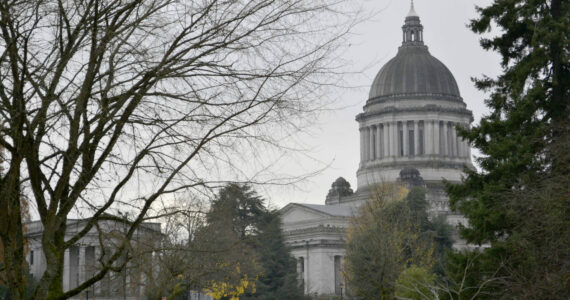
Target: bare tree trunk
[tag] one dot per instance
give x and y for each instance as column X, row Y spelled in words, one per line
column 11, row 232
column 114, row 105
column 51, row 283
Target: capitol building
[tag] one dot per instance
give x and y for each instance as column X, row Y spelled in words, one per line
column 407, row 132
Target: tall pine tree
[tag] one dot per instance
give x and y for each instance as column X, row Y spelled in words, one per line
column 519, row 202
column 279, row 274
column 240, row 222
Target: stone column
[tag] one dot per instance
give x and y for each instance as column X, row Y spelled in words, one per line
column 362, row 132
column 394, row 140
column 446, row 135
column 406, row 138
column 453, row 141
column 417, row 137
column 428, row 136
column 97, row 286
column 82, row 265
column 436, row 141
column 366, row 143
column 391, row 139
column 460, row 147
column 378, row 142
column 66, row 271
column 372, row 146
column 465, row 144
column 386, row 133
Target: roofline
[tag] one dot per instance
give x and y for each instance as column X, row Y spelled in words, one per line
column 288, row 207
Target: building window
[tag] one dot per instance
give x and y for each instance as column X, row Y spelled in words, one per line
column 31, row 257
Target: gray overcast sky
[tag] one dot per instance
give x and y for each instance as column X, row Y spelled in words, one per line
column 335, row 138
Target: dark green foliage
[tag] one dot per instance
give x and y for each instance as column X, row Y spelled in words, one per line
column 239, row 205
column 239, row 222
column 416, row 202
column 436, row 229
column 443, row 241
column 520, row 201
column 279, row 274
column 3, row 292
column 29, row 289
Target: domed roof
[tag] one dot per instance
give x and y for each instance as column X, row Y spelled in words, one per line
column 414, row 71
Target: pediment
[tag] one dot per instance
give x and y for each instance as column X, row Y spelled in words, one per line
column 294, row 213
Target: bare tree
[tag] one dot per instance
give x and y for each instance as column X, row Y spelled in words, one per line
column 109, row 105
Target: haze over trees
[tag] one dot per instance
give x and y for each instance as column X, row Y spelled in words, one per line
column 116, row 105
column 519, row 201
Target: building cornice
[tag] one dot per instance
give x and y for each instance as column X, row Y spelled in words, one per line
column 429, row 163
column 316, row 229
column 390, row 110
column 414, row 97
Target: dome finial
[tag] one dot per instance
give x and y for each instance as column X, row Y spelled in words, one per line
column 412, row 12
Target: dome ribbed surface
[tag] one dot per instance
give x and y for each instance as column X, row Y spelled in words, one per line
column 414, row 71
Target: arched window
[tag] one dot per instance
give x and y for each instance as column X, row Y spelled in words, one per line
column 413, row 36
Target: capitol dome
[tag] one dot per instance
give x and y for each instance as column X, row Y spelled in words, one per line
column 414, row 71
column 411, row 117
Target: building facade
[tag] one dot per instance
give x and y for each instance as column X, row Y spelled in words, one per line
column 407, row 132
column 82, row 260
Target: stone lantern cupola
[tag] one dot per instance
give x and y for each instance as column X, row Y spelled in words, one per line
column 413, row 29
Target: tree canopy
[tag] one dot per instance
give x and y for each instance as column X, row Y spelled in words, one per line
column 392, row 234
column 238, row 252
column 111, row 106
column 518, row 201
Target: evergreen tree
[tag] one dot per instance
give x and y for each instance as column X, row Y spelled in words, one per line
column 239, row 222
column 519, row 202
column 241, row 206
column 233, row 222
column 279, row 274
column 436, row 229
